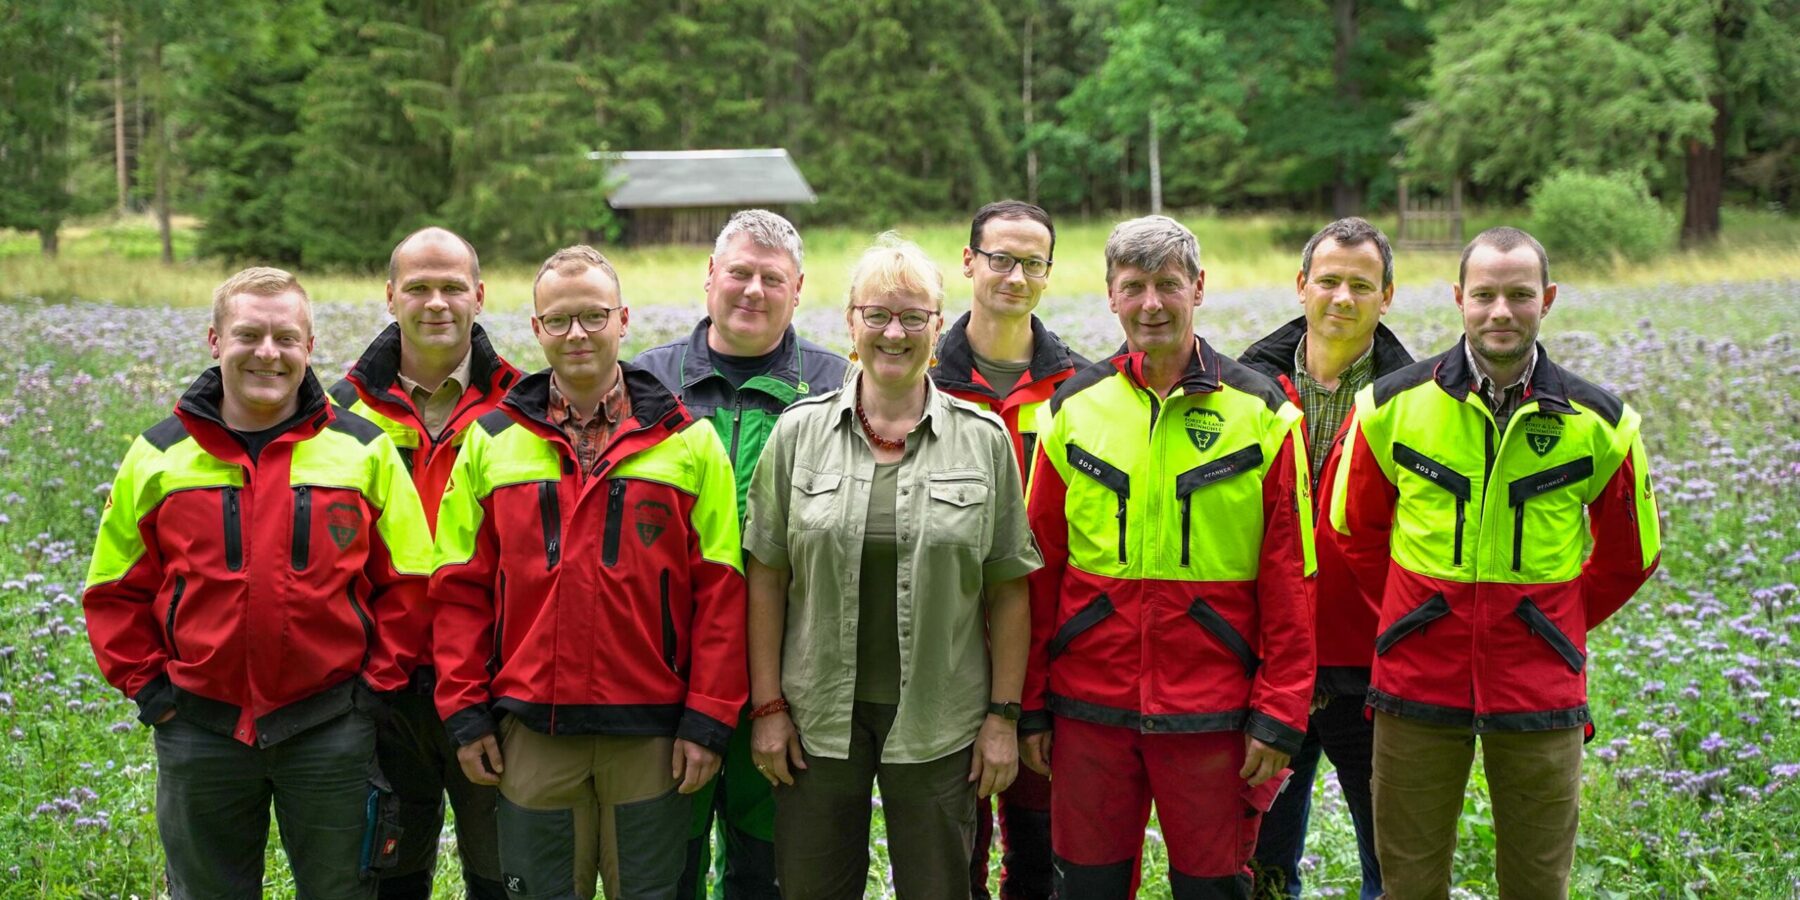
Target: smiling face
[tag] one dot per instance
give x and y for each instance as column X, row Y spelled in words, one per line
column 1013, row 294
column 751, row 292
column 263, row 344
column 434, row 295
column 1156, row 309
column 893, row 358
column 1342, row 295
column 1504, row 300
column 580, row 357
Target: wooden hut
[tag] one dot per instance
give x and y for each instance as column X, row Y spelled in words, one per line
column 685, row 196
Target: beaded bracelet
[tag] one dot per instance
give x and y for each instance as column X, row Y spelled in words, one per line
column 779, row 704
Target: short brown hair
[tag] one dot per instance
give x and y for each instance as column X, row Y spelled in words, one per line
column 574, row 261
column 1505, row 239
column 259, row 281
column 1351, row 231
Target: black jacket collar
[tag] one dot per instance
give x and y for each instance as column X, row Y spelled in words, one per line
column 1200, row 377
column 1548, row 386
column 697, row 364
column 378, row 369
column 651, row 402
column 956, row 356
column 1274, row 355
column 203, row 402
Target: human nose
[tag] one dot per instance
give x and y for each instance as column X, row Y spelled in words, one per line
column 893, row 330
column 754, row 287
column 1016, row 274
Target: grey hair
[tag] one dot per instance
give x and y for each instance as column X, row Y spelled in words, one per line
column 764, row 229
column 1149, row 243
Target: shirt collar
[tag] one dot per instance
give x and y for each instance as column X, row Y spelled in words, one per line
column 614, row 405
column 459, row 376
column 1484, row 383
column 843, row 409
column 1359, row 373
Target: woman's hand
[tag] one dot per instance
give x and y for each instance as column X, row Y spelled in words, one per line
column 775, row 746
column 996, row 761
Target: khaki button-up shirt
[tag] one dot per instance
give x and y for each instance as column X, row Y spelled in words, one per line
column 436, row 406
column 960, row 523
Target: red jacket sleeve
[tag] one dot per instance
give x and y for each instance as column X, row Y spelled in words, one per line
column 1627, row 539
column 719, row 663
column 462, row 632
column 1281, row 695
column 121, row 623
column 1047, row 513
column 1360, row 506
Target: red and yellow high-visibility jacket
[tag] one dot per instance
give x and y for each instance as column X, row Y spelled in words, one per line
column 1176, row 594
column 1475, row 537
column 610, row 603
column 250, row 594
column 372, row 390
column 1025, row 407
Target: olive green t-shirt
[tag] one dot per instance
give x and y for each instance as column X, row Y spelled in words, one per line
column 1000, row 375
column 878, row 622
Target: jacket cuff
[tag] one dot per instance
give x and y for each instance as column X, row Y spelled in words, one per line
column 155, row 700
column 704, row 730
column 1034, row 721
column 1274, row 732
column 470, row 725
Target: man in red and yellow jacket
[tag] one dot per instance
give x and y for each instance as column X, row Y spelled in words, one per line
column 424, row 380
column 1000, row 357
column 590, row 605
column 1462, row 489
column 1172, row 643
column 254, row 553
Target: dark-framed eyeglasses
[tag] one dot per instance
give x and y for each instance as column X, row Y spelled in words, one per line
column 592, row 320
column 1003, row 263
column 913, row 318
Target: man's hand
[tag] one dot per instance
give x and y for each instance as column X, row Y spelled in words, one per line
column 480, row 760
column 693, row 764
column 996, row 758
column 1261, row 762
column 1037, row 752
column 775, row 746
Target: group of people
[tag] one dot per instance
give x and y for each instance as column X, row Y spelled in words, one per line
column 611, row 609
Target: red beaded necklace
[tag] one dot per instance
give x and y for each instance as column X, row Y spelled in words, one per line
column 876, row 439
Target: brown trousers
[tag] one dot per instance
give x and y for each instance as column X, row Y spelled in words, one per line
column 573, row 806
column 1421, row 775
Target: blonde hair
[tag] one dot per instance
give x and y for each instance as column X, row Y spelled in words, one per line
column 573, row 261
column 259, row 281
column 895, row 265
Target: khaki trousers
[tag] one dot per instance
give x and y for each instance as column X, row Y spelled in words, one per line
column 1421, row 775
column 573, row 806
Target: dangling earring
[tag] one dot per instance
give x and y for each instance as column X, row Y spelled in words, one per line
column 934, row 361
column 853, row 356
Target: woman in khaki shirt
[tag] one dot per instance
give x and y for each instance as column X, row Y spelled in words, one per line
column 889, row 618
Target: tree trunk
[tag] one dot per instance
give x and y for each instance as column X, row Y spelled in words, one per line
column 1155, row 168
column 1706, row 181
column 47, row 241
column 122, row 169
column 1031, row 154
column 163, row 152
column 1347, row 189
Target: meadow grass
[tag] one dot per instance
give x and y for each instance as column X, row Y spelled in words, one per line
column 118, row 261
column 1691, row 787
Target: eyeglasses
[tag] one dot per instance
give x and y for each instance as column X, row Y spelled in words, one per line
column 1003, row 263
column 592, row 320
column 913, row 318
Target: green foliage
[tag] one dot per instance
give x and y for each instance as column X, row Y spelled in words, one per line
column 1593, row 218
column 48, row 49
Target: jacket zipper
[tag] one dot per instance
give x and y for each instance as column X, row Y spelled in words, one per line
column 668, row 625
column 169, row 623
column 234, row 535
column 368, row 626
column 1539, row 624
column 302, row 526
column 615, row 520
column 1449, row 480
column 1430, row 611
column 737, row 424
column 1208, row 618
column 550, row 514
column 1524, row 489
column 1087, row 617
column 499, row 627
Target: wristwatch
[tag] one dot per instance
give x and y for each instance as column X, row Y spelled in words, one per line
column 1008, row 711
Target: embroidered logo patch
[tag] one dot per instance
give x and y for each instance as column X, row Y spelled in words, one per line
column 1203, row 427
column 652, row 520
column 1542, row 432
column 514, row 883
column 343, row 521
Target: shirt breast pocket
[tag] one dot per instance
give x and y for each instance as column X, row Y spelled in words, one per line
column 817, row 500
column 956, row 510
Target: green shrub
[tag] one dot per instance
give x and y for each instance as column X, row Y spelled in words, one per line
column 1588, row 218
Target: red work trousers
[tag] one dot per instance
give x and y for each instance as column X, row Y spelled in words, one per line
column 1105, row 779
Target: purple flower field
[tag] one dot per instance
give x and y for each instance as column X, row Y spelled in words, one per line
column 1691, row 786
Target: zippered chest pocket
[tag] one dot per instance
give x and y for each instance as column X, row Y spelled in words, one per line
column 1449, row 480
column 1522, row 490
column 1232, row 464
column 1109, row 476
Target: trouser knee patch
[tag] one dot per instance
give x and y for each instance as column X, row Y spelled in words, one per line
column 1189, row 887
column 537, row 851
column 653, row 842
column 1111, row 881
